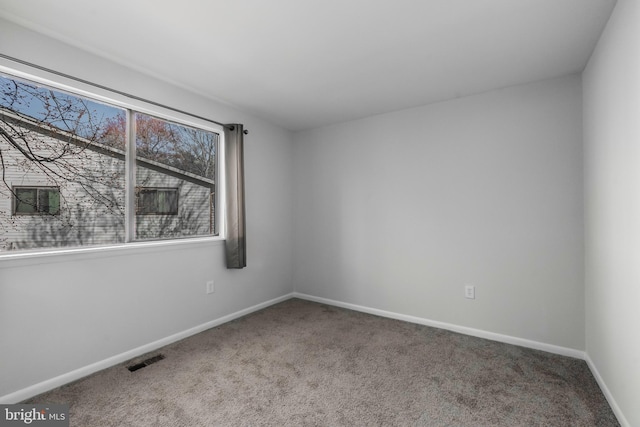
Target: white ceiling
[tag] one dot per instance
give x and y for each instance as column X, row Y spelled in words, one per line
column 307, row 63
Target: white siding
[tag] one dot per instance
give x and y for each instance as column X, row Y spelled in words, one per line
column 193, row 208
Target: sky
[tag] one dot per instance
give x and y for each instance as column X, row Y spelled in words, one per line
column 31, row 99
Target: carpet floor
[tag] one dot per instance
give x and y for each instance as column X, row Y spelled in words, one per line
column 300, row 363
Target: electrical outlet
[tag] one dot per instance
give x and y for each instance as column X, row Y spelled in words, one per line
column 470, row 291
column 210, row 288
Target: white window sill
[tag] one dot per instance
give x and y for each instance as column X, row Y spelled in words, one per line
column 66, row 254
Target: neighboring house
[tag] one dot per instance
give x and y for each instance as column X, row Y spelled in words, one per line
column 79, row 198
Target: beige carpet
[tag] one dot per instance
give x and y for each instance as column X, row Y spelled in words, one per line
column 305, row 364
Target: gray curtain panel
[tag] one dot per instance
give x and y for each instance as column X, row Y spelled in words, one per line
column 236, row 245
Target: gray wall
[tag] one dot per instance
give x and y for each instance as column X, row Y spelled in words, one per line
column 60, row 313
column 399, row 211
column 611, row 85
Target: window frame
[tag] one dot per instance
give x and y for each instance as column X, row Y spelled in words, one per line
column 132, row 105
column 38, row 212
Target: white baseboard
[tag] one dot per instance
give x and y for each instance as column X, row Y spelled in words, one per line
column 564, row 351
column 605, row 390
column 77, row 374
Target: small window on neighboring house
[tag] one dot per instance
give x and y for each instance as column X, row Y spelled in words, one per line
column 157, row 201
column 36, row 201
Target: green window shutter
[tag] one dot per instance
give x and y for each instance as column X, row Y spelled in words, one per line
column 53, row 199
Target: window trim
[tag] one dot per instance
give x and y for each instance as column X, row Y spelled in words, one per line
column 131, row 104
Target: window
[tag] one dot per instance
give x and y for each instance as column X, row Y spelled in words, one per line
column 157, row 201
column 36, row 201
column 175, row 175
column 98, row 186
